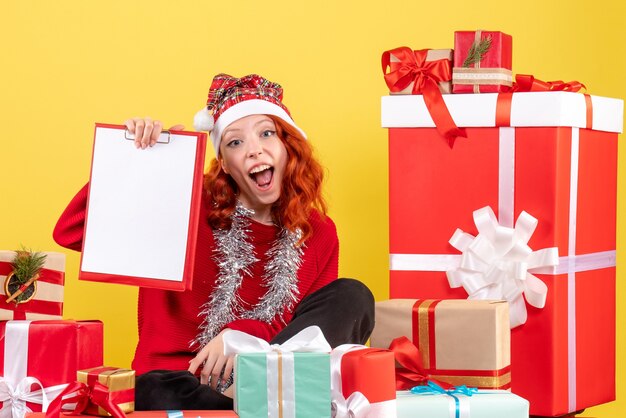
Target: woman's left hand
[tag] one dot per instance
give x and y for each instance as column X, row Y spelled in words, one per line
column 215, row 365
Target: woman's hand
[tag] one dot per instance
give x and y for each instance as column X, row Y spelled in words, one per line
column 213, row 362
column 147, row 131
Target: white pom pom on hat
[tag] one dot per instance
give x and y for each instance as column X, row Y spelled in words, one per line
column 203, row 120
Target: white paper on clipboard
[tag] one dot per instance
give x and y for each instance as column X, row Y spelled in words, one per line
column 140, row 205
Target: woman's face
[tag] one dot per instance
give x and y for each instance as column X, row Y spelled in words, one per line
column 255, row 157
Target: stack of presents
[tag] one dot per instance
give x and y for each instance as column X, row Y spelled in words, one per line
column 502, row 212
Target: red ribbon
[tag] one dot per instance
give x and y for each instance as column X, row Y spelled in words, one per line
column 528, row 83
column 413, row 67
column 412, row 372
column 85, row 395
column 34, row 305
column 432, row 351
column 45, row 275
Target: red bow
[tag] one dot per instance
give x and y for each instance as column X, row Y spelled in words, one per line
column 413, row 67
column 83, row 395
column 412, row 372
column 525, row 82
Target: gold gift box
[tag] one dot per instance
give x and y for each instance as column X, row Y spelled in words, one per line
column 121, row 385
column 472, row 338
column 432, row 55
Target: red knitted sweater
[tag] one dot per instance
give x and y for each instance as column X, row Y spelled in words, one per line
column 168, row 321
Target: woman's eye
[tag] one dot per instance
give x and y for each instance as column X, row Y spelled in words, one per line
column 267, row 133
column 233, row 143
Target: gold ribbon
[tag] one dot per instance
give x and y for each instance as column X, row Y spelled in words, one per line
column 477, row 37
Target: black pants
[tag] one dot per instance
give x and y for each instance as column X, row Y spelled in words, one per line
column 344, row 310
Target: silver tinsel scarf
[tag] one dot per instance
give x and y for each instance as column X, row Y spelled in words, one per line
column 234, row 256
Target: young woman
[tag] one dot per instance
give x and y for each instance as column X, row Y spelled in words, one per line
column 267, row 254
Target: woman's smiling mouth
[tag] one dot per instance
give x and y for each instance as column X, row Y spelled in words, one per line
column 262, row 175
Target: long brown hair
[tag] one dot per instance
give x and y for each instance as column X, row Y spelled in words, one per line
column 301, row 186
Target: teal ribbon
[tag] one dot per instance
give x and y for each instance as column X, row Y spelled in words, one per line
column 432, row 388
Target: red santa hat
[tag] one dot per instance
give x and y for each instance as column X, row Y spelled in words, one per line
column 232, row 98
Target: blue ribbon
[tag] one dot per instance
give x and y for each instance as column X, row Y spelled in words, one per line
column 174, row 414
column 432, row 388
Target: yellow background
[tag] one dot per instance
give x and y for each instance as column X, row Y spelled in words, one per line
column 67, row 64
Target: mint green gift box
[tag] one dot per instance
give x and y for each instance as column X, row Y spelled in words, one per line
column 484, row 404
column 310, row 392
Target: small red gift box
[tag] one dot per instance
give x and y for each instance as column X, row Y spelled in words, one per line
column 46, row 354
column 555, row 157
column 363, row 379
column 47, row 302
column 487, row 73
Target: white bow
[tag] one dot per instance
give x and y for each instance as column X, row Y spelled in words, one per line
column 17, row 396
column 497, row 263
column 309, row 340
column 356, row 406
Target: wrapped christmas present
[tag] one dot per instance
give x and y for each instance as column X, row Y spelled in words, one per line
column 362, row 382
column 425, row 73
column 101, row 391
column 290, row 379
column 119, row 382
column 406, row 70
column 460, row 342
column 433, row 401
column 545, row 162
column 39, row 358
column 482, row 62
column 31, row 285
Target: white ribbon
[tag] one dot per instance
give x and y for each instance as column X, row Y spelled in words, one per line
column 15, row 398
column 497, row 263
column 571, row 274
column 15, row 386
column 309, row 340
column 357, row 405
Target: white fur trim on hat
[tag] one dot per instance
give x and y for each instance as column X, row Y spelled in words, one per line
column 203, row 120
column 243, row 109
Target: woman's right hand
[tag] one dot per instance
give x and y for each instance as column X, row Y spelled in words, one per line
column 216, row 367
column 147, row 131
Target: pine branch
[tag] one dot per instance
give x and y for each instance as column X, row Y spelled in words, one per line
column 477, row 52
column 26, row 264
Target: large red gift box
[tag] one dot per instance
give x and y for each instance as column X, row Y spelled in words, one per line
column 47, row 303
column 36, row 354
column 557, row 161
column 363, row 382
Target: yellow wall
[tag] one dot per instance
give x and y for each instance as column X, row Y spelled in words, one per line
column 67, row 64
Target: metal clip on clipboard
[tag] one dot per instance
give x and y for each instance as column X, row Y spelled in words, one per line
column 164, row 137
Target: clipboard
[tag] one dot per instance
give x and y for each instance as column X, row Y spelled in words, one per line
column 143, row 209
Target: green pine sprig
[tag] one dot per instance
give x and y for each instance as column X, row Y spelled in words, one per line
column 477, row 51
column 26, row 264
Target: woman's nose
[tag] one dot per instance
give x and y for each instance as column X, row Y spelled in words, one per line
column 255, row 148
